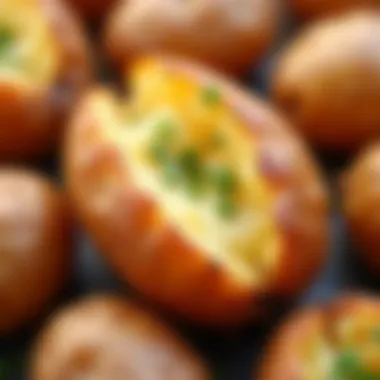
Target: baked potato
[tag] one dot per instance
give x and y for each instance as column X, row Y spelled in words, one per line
column 361, row 204
column 44, row 66
column 35, row 246
column 92, row 10
column 231, row 35
column 328, row 81
column 106, row 337
column 197, row 193
column 339, row 341
column 314, row 9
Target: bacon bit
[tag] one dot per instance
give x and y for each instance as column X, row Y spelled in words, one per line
column 275, row 160
column 285, row 214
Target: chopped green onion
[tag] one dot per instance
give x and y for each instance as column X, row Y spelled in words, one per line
column 159, row 152
column 211, row 95
column 6, row 42
column 349, row 367
column 165, row 130
column 224, row 180
column 347, row 361
column 193, row 172
column 190, row 162
column 171, row 173
column 376, row 334
column 226, row 207
column 159, row 149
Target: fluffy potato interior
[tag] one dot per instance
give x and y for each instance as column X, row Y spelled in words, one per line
column 188, row 151
column 351, row 352
column 28, row 52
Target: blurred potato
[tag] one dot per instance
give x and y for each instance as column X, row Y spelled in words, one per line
column 313, row 9
column 105, row 337
column 197, row 193
column 92, row 10
column 361, row 204
column 44, row 66
column 35, row 246
column 231, row 35
column 339, row 340
column 328, row 81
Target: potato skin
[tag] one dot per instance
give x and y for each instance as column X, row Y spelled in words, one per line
column 231, row 35
column 32, row 121
column 158, row 261
column 92, row 10
column 313, row 9
column 110, row 338
column 361, row 204
column 332, row 94
column 283, row 360
column 35, row 249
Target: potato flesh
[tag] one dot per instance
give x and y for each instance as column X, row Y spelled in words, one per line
column 247, row 245
column 35, row 55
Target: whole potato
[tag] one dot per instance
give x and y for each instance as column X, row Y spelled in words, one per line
column 197, row 193
column 44, row 67
column 231, row 35
column 361, row 203
column 338, row 340
column 108, row 338
column 35, row 246
column 328, row 81
column 313, row 9
column 92, row 10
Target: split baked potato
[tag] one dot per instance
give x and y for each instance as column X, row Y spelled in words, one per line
column 197, row 193
column 328, row 81
column 108, row 338
column 361, row 205
column 337, row 341
column 35, row 246
column 44, row 66
column 313, row 9
column 231, row 35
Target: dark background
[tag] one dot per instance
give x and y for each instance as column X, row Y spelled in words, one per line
column 233, row 356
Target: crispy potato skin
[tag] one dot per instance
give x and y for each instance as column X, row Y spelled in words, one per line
column 92, row 10
column 32, row 121
column 110, row 338
column 282, row 359
column 35, row 250
column 361, row 203
column 155, row 258
column 313, row 9
column 231, row 35
column 332, row 94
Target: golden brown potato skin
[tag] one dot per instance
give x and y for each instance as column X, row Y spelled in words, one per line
column 109, row 338
column 313, row 9
column 231, row 35
column 31, row 123
column 92, row 10
column 361, row 203
column 283, row 358
column 170, row 270
column 35, row 248
column 328, row 81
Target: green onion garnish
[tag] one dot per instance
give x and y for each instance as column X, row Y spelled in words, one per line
column 6, row 42
column 226, row 207
column 211, row 95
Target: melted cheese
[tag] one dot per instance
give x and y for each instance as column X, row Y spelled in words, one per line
column 249, row 243
column 35, row 57
column 318, row 357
